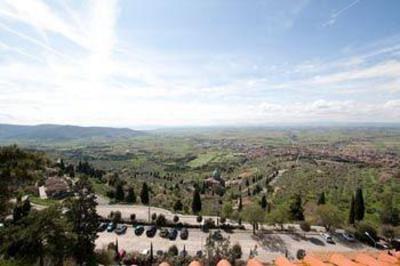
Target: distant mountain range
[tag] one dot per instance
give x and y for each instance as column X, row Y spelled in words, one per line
column 48, row 132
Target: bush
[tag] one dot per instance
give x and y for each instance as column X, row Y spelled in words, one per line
column 110, row 193
column 209, row 223
column 161, row 220
column 364, row 227
column 199, row 219
column 222, row 220
column 133, row 217
column 154, row 216
column 305, row 226
column 117, row 217
column 173, row 251
column 237, row 251
column 176, row 219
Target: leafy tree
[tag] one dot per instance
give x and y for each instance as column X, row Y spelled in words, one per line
column 178, row 206
column 352, row 214
column 388, row 231
column 196, row 203
column 119, row 192
column 296, row 209
column 173, row 250
column 131, row 196
column 389, row 213
column 26, row 207
column 175, row 219
column 263, row 202
column 279, row 216
column 227, row 210
column 329, row 216
column 144, row 194
column 237, row 251
column 41, row 235
column 199, row 219
column 359, row 208
column 161, row 220
column 321, row 199
column 83, row 217
column 305, row 226
column 255, row 215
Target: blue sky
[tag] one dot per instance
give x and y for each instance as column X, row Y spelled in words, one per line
column 191, row 63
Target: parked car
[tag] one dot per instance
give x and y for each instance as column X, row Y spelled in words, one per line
column 382, row 245
column 139, row 230
column 173, row 233
column 151, row 231
column 328, row 238
column 120, row 229
column 348, row 237
column 184, row 234
column 199, row 253
column 217, row 235
column 110, row 227
column 102, row 227
column 164, row 233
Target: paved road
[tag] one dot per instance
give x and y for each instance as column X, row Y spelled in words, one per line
column 269, row 246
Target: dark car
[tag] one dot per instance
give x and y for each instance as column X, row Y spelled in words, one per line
column 173, row 233
column 184, row 234
column 110, row 227
column 102, row 227
column 151, row 231
column 164, row 233
column 120, row 229
column 139, row 230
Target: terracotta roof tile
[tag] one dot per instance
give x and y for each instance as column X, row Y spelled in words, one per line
column 253, row 262
column 164, row 264
column 313, row 261
column 282, row 261
column 384, row 257
column 224, row 263
column 195, row 263
column 369, row 260
column 341, row 260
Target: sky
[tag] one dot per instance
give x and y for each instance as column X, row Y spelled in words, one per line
column 166, row 63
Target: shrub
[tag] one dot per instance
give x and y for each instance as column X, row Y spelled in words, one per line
column 173, row 251
column 176, row 219
column 222, row 220
column 161, row 220
column 199, row 219
column 209, row 223
column 116, row 218
column 305, row 226
column 361, row 230
column 237, row 251
column 133, row 217
column 154, row 216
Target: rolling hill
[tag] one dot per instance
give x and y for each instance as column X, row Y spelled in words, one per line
column 50, row 132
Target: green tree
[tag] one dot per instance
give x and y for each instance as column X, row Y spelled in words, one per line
column 359, row 208
column 254, row 215
column 321, row 199
column 263, row 202
column 296, row 209
column 278, row 216
column 389, row 213
column 144, row 194
column 84, row 219
column 227, row 210
column 131, row 196
column 329, row 216
column 42, row 235
column 119, row 192
column 196, row 203
column 352, row 214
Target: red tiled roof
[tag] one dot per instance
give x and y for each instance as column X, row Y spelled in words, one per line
column 195, row 263
column 282, row 261
column 164, row 264
column 224, row 263
column 253, row 262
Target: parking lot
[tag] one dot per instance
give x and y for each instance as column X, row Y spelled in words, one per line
column 269, row 246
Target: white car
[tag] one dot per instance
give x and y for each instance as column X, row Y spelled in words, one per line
column 328, row 238
column 348, row 237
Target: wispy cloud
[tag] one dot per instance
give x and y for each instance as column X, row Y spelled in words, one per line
column 334, row 16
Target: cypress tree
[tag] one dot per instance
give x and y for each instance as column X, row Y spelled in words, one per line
column 296, row 209
column 119, row 193
column 196, row 203
column 144, row 194
column 359, row 208
column 240, row 207
column 321, row 200
column 131, row 197
column 263, row 202
column 351, row 212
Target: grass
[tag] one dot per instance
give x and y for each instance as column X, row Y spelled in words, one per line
column 43, row 202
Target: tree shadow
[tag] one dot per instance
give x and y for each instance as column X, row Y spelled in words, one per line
column 316, row 241
column 273, row 243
